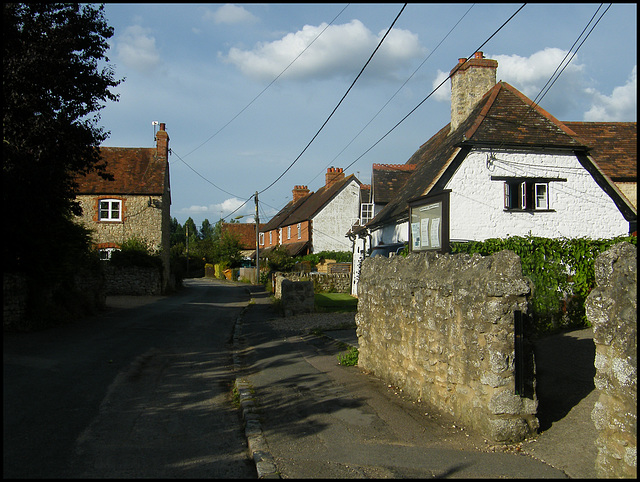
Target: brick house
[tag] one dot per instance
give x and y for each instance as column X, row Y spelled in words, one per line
column 507, row 167
column 136, row 204
column 316, row 221
column 245, row 233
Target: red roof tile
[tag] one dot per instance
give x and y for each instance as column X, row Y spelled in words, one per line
column 136, row 170
column 612, row 145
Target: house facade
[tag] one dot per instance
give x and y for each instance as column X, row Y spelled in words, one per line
column 316, row 221
column 507, row 167
column 510, row 168
column 135, row 204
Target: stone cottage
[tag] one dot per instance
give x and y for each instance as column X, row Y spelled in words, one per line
column 135, row 204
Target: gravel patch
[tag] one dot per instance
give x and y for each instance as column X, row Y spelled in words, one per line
column 303, row 324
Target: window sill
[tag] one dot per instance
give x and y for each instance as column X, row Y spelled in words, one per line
column 530, row 211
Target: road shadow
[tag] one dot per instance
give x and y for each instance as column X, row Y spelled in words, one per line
column 564, row 374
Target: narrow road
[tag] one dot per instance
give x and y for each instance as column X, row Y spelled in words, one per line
column 139, row 392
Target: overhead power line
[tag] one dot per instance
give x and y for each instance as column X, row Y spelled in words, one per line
column 396, row 92
column 434, row 90
column 270, row 84
column 336, row 107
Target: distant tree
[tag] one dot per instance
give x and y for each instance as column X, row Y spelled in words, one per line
column 206, row 230
column 176, row 233
column 191, row 230
column 52, row 89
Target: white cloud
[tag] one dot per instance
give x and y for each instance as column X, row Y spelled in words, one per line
column 223, row 209
column 620, row 106
column 530, row 76
column 443, row 94
column 230, row 14
column 136, row 48
column 340, row 50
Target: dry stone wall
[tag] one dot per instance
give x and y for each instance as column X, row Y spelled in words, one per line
column 441, row 327
column 611, row 308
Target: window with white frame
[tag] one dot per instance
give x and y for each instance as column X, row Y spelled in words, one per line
column 366, row 213
column 261, row 239
column 299, row 230
column 105, row 253
column 288, row 232
column 270, row 237
column 521, row 194
column 110, row 210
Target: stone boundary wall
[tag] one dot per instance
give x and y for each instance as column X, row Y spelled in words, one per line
column 611, row 308
column 34, row 306
column 297, row 297
column 132, row 280
column 441, row 327
column 334, row 283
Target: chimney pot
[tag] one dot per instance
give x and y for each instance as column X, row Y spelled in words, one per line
column 479, row 55
column 462, row 60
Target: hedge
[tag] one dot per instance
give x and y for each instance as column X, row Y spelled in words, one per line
column 562, row 271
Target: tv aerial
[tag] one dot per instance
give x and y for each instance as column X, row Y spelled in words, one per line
column 154, row 124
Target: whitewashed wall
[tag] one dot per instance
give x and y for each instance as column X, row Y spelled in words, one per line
column 331, row 224
column 580, row 207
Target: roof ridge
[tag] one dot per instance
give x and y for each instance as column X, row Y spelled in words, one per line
column 402, row 167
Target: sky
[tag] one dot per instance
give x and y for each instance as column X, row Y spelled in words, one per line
column 253, row 95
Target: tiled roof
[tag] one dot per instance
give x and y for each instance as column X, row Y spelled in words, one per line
column 503, row 118
column 307, row 207
column 612, row 145
column 387, row 179
column 245, row 232
column 136, row 170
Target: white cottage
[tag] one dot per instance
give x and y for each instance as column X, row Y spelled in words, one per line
column 507, row 167
column 316, row 221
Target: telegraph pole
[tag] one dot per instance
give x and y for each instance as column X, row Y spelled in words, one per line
column 257, row 242
column 186, row 227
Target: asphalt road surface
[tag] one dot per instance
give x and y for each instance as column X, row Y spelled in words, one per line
column 133, row 392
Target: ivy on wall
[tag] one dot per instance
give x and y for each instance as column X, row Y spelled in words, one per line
column 562, row 271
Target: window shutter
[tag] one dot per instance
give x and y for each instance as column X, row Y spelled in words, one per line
column 507, row 195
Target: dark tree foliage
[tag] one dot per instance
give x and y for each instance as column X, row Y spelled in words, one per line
column 55, row 79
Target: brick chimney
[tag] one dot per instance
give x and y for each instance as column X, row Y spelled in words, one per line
column 333, row 175
column 299, row 192
column 470, row 80
column 162, row 142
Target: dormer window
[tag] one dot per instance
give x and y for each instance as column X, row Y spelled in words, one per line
column 110, row 210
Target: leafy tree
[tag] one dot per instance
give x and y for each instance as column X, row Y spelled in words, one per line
column 52, row 89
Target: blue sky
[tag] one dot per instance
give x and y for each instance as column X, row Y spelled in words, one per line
column 238, row 111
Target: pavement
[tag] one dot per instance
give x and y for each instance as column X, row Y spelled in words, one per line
column 306, row 416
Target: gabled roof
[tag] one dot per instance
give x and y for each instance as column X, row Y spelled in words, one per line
column 503, row 118
column 613, row 146
column 245, row 232
column 387, row 179
column 136, row 170
column 307, row 207
column 278, row 220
